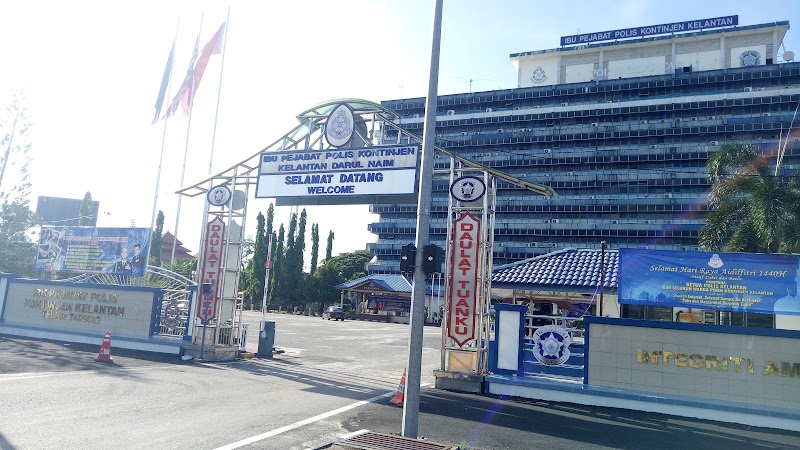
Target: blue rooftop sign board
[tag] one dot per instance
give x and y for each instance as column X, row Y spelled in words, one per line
column 651, row 30
column 747, row 282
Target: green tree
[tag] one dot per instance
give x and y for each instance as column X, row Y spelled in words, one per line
column 259, row 257
column 183, row 267
column 752, row 206
column 17, row 251
column 277, row 257
column 314, row 247
column 16, row 146
column 157, row 240
column 87, row 213
column 329, row 247
column 334, row 271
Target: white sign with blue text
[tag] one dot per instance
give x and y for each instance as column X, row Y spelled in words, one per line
column 338, row 172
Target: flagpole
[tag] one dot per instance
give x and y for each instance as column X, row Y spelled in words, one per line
column 185, row 154
column 211, row 156
column 219, row 89
column 164, row 132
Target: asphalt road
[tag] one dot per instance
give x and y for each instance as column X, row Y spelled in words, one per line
column 335, row 378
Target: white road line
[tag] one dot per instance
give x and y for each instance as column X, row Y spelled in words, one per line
column 301, row 423
column 30, row 375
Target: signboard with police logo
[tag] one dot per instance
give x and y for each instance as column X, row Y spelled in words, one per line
column 551, row 345
column 219, row 195
column 468, row 189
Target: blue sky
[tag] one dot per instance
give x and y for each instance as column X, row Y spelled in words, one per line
column 91, row 71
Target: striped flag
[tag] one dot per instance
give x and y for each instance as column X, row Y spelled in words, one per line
column 213, row 47
column 162, row 92
column 187, row 82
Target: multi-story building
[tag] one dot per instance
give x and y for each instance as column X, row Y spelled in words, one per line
column 622, row 132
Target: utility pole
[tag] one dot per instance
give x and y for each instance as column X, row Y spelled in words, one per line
column 414, row 365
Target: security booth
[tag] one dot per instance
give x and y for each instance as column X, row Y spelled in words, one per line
column 387, row 297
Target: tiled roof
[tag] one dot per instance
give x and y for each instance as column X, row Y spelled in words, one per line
column 391, row 282
column 577, row 269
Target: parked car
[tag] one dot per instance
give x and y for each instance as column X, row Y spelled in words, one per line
column 333, row 312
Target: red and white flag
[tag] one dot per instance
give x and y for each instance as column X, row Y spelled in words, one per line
column 213, row 47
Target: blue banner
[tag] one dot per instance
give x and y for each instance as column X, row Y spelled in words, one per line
column 119, row 251
column 651, row 30
column 749, row 282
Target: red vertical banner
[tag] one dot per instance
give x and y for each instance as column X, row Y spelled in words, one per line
column 464, row 279
column 211, row 269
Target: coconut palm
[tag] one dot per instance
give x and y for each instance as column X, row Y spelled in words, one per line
column 751, row 208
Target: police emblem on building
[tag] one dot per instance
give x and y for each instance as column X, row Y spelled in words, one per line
column 539, row 76
column 749, row 58
column 551, row 345
column 340, row 126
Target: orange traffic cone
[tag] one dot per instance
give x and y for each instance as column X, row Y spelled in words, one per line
column 400, row 396
column 105, row 349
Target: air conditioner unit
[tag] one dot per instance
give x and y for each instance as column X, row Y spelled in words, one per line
column 533, row 244
column 759, row 89
column 570, row 173
column 748, row 89
column 451, row 112
column 678, row 119
column 464, row 133
column 668, row 195
column 714, row 142
column 488, row 109
column 694, row 118
column 653, row 146
column 642, row 122
column 546, row 220
column 416, row 116
column 594, row 125
column 766, row 114
column 565, row 104
column 615, row 221
column 711, row 117
column 555, row 220
column 500, row 130
column 516, row 108
column 536, row 107
column 591, row 197
column 647, row 221
column 547, row 150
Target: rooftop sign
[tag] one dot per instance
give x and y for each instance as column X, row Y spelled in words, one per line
column 651, row 30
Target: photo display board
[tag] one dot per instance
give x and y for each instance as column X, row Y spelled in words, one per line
column 118, row 251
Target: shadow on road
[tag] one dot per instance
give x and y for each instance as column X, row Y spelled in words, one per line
column 579, row 423
column 322, row 381
column 28, row 355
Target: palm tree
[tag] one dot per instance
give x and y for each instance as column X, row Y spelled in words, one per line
column 753, row 208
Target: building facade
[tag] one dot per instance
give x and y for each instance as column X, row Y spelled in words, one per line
column 621, row 131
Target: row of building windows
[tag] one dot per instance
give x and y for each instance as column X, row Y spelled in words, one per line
column 734, row 78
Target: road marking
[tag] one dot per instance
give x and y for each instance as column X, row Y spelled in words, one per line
column 301, row 423
column 32, row 375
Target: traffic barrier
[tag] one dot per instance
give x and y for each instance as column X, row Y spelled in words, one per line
column 400, row 395
column 105, row 349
